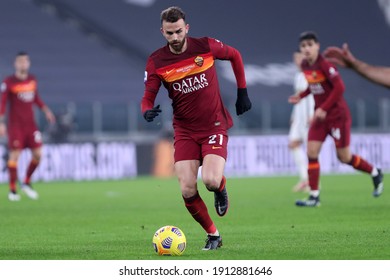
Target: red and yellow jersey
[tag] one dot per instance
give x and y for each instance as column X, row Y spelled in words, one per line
column 327, row 88
column 20, row 95
column 191, row 81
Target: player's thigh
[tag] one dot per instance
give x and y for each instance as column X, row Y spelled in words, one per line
column 14, row 155
column 314, row 148
column 317, row 134
column 36, row 153
column 212, row 171
column 187, row 174
column 188, row 157
column 214, row 154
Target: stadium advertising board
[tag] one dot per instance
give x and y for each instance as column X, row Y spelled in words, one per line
column 247, row 156
column 78, row 161
column 269, row 155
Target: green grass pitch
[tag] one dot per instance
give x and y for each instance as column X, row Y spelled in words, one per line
column 117, row 219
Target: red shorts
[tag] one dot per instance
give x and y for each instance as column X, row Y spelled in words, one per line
column 195, row 146
column 340, row 130
column 19, row 139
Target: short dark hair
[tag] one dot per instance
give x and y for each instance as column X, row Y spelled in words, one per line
column 308, row 35
column 21, row 53
column 172, row 14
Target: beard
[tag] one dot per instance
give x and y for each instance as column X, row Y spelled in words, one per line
column 177, row 46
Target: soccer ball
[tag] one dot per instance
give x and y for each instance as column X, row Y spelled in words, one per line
column 169, row 240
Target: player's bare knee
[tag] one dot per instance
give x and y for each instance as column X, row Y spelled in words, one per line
column 189, row 191
column 211, row 183
column 37, row 158
column 312, row 153
column 188, row 187
column 14, row 155
column 344, row 158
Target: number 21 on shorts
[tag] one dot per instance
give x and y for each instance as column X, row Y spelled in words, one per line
column 216, row 139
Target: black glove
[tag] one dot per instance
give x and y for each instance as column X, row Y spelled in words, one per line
column 243, row 103
column 149, row 115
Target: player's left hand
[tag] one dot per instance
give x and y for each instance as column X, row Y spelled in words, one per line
column 320, row 114
column 243, row 102
column 50, row 116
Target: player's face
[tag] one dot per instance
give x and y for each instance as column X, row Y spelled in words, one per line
column 310, row 49
column 175, row 33
column 22, row 63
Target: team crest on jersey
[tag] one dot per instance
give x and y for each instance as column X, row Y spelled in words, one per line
column 199, row 61
column 332, row 71
column 314, row 74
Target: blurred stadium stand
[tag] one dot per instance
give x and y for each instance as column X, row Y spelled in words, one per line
column 89, row 56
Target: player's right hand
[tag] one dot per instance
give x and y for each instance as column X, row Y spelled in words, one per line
column 294, row 99
column 149, row 115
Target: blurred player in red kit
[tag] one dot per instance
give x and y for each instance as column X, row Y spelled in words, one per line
column 331, row 117
column 186, row 68
column 21, row 93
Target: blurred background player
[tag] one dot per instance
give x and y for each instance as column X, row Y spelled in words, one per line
column 20, row 92
column 300, row 119
column 186, row 67
column 343, row 57
column 331, row 117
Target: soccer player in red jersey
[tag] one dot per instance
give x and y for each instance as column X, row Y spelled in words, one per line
column 331, row 117
column 186, row 68
column 21, row 93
